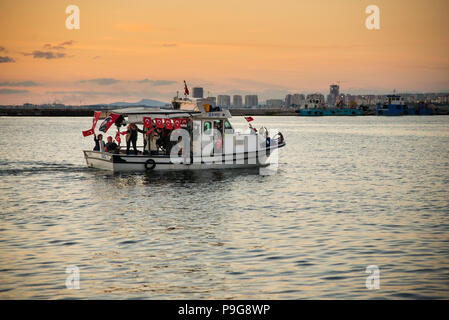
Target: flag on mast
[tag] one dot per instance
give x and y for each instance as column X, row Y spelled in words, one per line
column 186, row 90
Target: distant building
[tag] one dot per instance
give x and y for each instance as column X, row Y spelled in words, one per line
column 298, row 100
column 275, row 103
column 237, row 101
column 212, row 100
column 198, row 92
column 209, row 100
column 334, row 92
column 315, row 97
column 224, row 101
column 288, row 100
column 251, row 101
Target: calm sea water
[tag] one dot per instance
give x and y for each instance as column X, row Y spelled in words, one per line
column 349, row 193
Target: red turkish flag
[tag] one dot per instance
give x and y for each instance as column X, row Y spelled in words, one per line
column 146, row 122
column 88, row 132
column 168, row 124
column 177, row 123
column 95, row 119
column 186, row 90
column 184, row 121
column 249, row 119
column 117, row 137
column 159, row 123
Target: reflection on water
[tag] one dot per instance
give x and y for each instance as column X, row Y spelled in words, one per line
column 350, row 192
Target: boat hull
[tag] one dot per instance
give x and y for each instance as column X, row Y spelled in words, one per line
column 142, row 163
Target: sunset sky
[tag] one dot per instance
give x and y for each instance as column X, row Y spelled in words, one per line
column 135, row 49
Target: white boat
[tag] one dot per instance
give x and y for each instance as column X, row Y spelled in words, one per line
column 237, row 150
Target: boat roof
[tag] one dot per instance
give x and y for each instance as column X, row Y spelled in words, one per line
column 136, row 114
column 149, row 110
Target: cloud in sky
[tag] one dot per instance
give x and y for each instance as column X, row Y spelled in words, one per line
column 102, row 97
column 48, row 53
column 156, row 82
column 67, row 43
column 6, row 59
column 37, row 54
column 3, row 49
column 52, row 47
column 12, row 91
column 102, row 81
column 19, row 84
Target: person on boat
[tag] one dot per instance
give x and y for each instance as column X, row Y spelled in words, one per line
column 159, row 137
column 146, row 137
column 178, row 147
column 280, row 137
column 111, row 146
column 99, row 143
column 131, row 137
column 218, row 136
column 218, row 125
column 164, row 140
column 151, row 145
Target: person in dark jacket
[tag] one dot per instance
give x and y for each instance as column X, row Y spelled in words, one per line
column 131, row 137
column 111, row 146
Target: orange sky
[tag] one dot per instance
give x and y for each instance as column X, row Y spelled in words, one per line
column 234, row 46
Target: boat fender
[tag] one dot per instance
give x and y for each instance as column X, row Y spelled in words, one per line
column 150, row 164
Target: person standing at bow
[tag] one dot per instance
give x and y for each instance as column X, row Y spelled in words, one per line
column 131, row 137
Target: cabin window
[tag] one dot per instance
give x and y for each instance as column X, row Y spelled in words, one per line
column 227, row 125
column 218, row 124
column 207, row 126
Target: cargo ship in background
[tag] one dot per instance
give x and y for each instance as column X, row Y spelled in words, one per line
column 335, row 106
column 317, row 108
column 396, row 106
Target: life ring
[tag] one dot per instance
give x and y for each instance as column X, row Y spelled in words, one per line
column 150, row 164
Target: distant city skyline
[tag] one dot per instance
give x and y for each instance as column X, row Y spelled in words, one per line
column 145, row 49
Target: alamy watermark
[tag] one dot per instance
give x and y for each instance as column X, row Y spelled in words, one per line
column 373, row 280
column 73, row 20
column 73, row 279
column 372, row 22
